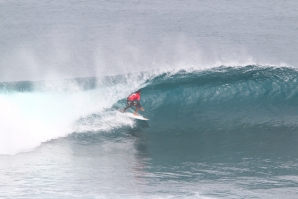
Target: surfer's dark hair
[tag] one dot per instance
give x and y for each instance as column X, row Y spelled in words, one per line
column 138, row 91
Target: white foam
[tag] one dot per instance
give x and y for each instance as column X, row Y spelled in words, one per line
column 28, row 119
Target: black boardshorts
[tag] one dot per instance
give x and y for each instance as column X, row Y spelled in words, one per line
column 133, row 103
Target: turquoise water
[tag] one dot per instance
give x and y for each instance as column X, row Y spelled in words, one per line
column 219, row 85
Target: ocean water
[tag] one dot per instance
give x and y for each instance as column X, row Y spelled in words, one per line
column 219, row 84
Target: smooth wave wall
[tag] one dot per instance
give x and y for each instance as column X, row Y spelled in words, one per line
column 223, row 97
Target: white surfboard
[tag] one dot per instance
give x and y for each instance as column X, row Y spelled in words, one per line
column 129, row 114
column 139, row 117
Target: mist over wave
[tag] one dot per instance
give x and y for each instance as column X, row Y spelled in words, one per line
column 92, row 39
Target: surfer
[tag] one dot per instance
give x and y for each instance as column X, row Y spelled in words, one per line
column 134, row 100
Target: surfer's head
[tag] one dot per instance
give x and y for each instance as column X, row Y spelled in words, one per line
column 138, row 91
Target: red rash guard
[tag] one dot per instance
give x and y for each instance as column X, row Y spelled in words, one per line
column 134, row 96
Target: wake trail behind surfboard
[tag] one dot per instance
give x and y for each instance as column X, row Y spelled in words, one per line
column 129, row 114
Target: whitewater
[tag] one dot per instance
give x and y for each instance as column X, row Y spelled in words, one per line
column 219, row 85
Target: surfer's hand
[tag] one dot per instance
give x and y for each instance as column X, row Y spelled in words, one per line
column 142, row 109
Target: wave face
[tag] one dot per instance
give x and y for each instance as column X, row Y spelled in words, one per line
column 242, row 103
column 223, row 112
column 224, row 98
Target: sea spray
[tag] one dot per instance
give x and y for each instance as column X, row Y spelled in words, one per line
column 35, row 112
